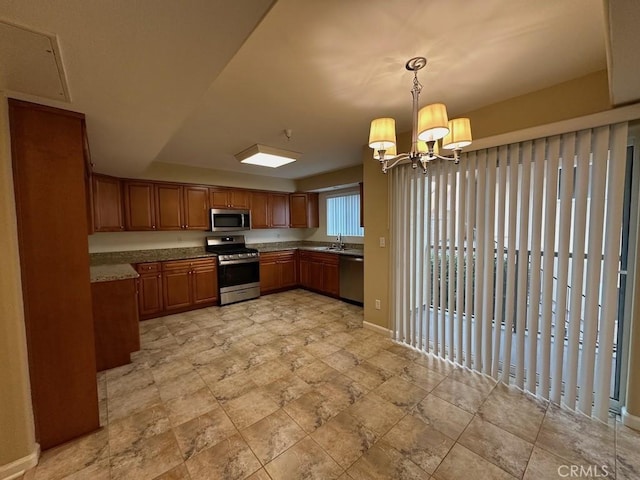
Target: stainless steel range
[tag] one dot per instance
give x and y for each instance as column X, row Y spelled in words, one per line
column 238, row 268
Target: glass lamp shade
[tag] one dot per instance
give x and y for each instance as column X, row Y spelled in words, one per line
column 388, row 154
column 432, row 122
column 459, row 135
column 382, row 134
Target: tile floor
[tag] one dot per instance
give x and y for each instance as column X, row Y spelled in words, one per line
column 290, row 386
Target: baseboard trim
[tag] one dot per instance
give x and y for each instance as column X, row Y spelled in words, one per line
column 17, row 468
column 377, row 328
column 631, row 421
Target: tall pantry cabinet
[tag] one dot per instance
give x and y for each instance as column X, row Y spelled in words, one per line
column 52, row 181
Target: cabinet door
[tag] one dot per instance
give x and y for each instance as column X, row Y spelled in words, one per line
column 303, row 269
column 303, row 210
column 288, row 272
column 313, row 215
column 169, row 207
column 279, row 210
column 219, row 197
column 298, row 210
column 150, row 294
column 239, row 198
column 316, row 275
column 196, row 208
column 259, row 210
column 330, row 280
column 107, row 204
column 204, row 284
column 269, row 275
column 139, row 206
column 176, row 285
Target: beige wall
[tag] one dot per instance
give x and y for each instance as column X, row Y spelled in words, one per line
column 181, row 173
column 16, row 419
column 124, row 241
column 376, row 258
column 337, row 178
column 582, row 96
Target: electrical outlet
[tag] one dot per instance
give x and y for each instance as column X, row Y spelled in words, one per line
column 383, row 242
column 377, row 304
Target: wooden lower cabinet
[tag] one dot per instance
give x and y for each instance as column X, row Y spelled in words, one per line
column 320, row 272
column 204, row 279
column 150, row 303
column 115, row 320
column 177, row 285
column 278, row 271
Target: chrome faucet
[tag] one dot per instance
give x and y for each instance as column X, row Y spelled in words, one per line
column 340, row 242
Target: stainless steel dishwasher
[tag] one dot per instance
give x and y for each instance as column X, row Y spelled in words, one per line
column 352, row 278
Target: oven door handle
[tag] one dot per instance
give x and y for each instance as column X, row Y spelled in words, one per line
column 236, row 262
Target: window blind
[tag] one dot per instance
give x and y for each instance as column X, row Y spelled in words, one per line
column 504, row 265
column 343, row 215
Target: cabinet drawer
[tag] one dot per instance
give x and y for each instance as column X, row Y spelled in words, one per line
column 174, row 265
column 321, row 257
column 278, row 256
column 204, row 262
column 143, row 268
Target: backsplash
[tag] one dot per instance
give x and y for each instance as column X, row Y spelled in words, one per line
column 129, row 241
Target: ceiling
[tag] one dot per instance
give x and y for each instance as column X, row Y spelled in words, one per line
column 195, row 82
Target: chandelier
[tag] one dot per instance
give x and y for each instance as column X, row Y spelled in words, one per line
column 430, row 125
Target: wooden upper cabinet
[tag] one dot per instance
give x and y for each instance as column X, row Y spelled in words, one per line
column 169, row 207
column 279, row 210
column 107, row 204
column 139, row 205
column 259, row 210
column 229, row 198
column 304, row 210
column 196, row 208
column 269, row 210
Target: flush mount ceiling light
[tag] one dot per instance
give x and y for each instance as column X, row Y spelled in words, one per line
column 266, row 156
column 430, row 124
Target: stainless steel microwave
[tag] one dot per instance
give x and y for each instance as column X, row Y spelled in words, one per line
column 226, row 220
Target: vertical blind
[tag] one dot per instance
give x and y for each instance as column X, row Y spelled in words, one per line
column 343, row 215
column 508, row 263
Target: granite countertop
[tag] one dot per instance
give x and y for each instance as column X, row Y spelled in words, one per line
column 162, row 255
column 142, row 256
column 355, row 249
column 353, row 252
column 108, row 273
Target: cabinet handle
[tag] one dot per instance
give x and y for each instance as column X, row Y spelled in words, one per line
column 154, row 227
column 186, row 226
